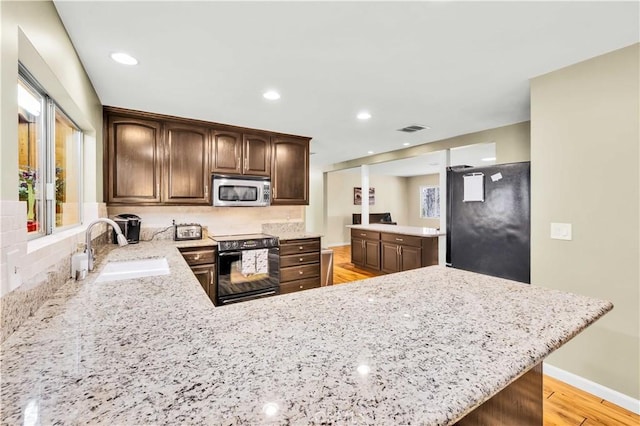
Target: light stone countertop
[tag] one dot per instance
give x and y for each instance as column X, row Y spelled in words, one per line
column 399, row 229
column 424, row 346
column 284, row 236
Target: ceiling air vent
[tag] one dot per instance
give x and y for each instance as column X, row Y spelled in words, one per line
column 411, row 129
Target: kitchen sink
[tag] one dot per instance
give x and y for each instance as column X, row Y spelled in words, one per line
column 128, row 269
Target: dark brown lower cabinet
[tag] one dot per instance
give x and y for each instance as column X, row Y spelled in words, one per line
column 396, row 257
column 299, row 264
column 202, row 261
column 388, row 252
column 365, row 249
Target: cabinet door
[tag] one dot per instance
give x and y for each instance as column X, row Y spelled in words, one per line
column 290, row 171
column 357, row 251
column 186, row 164
column 390, row 257
column 372, row 254
column 134, row 160
column 256, row 155
column 206, row 275
column 410, row 258
column 226, row 152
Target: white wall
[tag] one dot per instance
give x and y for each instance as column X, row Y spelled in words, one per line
column 413, row 200
column 390, row 197
column 585, row 122
column 32, row 33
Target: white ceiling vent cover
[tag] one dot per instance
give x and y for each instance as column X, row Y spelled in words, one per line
column 412, row 128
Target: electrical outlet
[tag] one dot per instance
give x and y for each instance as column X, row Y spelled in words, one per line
column 13, row 269
column 561, row 231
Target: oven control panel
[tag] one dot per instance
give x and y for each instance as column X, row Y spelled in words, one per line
column 258, row 243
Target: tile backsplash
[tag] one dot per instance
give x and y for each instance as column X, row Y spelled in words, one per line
column 217, row 220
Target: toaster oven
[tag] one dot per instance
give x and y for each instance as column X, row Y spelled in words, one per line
column 187, row 231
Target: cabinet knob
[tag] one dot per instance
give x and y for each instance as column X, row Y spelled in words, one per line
column 300, row 272
column 301, row 259
column 301, row 286
column 301, row 248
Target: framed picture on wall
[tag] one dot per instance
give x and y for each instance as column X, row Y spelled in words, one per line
column 357, row 196
column 429, row 202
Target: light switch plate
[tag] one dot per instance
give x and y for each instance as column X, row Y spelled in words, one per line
column 561, row 231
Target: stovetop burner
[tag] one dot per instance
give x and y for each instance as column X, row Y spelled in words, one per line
column 244, row 241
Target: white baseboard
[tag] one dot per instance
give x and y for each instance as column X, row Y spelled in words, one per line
column 593, row 388
column 339, row 244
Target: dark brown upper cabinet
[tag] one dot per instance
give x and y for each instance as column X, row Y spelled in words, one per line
column 186, row 164
column 226, row 152
column 240, row 154
column 154, row 159
column 290, row 171
column 134, row 158
column 256, row 155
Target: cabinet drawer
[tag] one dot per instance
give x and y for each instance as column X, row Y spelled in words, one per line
column 299, row 259
column 299, row 285
column 408, row 240
column 198, row 256
column 361, row 233
column 299, row 246
column 299, row 272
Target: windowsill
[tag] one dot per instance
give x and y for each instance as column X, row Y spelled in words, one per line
column 43, row 242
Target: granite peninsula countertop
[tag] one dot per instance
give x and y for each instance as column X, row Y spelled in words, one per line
column 417, row 231
column 424, row 346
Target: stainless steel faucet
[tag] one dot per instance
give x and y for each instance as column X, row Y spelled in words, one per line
column 122, row 240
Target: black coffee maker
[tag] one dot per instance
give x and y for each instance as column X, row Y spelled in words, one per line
column 130, row 227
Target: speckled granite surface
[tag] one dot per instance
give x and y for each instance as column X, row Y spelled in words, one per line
column 398, row 229
column 420, row 347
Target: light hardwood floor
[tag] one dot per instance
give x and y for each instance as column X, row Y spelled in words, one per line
column 563, row 404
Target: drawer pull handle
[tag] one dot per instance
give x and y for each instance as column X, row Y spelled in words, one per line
column 399, row 239
column 196, row 257
column 363, row 235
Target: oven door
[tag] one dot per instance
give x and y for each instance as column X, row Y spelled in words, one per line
column 248, row 274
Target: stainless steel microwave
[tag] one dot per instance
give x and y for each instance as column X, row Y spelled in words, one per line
column 235, row 191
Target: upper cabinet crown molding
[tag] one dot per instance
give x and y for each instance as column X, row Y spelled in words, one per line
column 154, row 159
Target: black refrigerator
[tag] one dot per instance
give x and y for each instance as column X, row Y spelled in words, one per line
column 489, row 220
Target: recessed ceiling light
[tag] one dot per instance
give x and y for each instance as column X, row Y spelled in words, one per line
column 272, row 95
column 406, row 144
column 124, row 58
column 369, row 152
column 489, row 159
column 364, row 115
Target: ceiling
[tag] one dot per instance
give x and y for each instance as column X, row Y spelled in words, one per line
column 458, row 67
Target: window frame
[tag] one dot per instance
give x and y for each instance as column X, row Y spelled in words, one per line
column 46, row 163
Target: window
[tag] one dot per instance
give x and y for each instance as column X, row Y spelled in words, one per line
column 49, row 161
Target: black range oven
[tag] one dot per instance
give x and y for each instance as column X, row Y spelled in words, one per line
column 248, row 267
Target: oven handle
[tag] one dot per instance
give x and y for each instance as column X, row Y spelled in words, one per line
column 229, row 253
column 253, row 296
